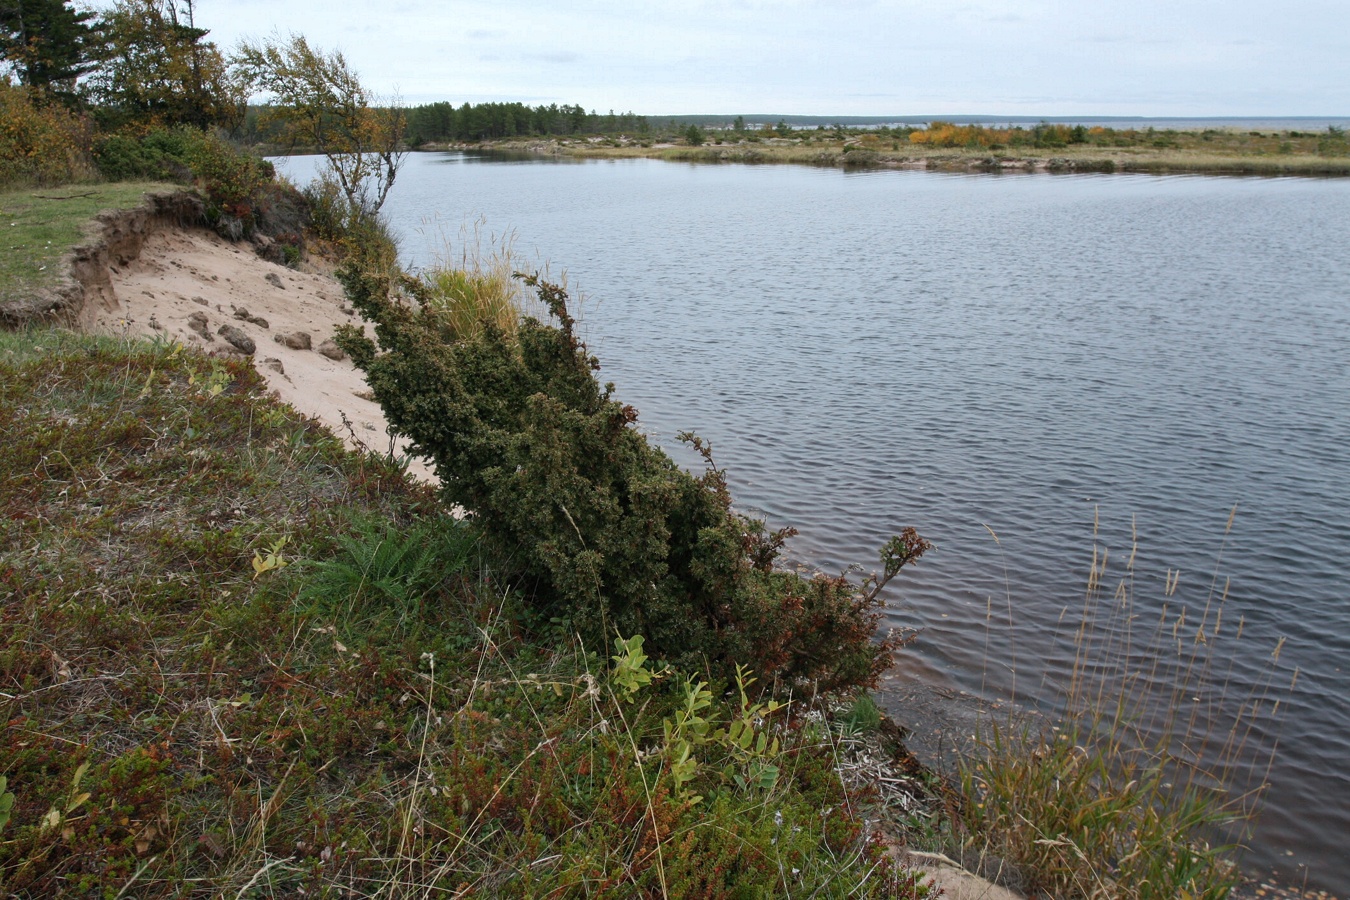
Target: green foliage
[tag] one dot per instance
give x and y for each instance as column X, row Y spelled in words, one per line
column 156, row 69
column 48, row 42
column 328, row 210
column 177, row 727
column 630, row 673
column 320, row 103
column 493, row 121
column 383, row 571
column 695, row 136
column 862, row 716
column 6, row 802
column 612, row 536
column 237, row 185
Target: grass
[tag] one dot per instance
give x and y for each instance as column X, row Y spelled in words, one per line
column 1144, row 781
column 477, row 285
column 42, row 224
column 240, row 660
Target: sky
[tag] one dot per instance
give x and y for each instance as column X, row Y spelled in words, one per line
column 1167, row 58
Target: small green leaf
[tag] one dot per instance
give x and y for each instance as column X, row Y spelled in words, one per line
column 6, row 802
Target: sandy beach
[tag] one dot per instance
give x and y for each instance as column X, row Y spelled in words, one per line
column 190, row 285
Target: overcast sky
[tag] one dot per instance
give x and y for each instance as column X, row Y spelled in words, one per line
column 844, row 57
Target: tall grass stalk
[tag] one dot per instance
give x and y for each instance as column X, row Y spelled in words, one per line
column 476, row 285
column 1147, row 779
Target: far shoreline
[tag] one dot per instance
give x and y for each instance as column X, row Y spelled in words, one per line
column 862, row 154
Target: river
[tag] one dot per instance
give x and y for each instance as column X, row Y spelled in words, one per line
column 1000, row 361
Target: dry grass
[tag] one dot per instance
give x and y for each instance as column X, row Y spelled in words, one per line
column 476, row 284
column 1144, row 780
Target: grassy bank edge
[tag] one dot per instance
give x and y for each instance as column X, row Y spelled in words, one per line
column 39, row 226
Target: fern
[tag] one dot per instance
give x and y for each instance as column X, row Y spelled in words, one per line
column 383, row 570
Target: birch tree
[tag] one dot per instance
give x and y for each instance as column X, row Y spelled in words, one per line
column 320, row 103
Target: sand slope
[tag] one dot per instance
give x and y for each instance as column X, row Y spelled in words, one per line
column 182, row 272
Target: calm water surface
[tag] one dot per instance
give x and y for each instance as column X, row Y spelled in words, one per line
column 994, row 355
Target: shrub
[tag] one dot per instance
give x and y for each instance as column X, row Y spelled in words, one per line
column 328, row 207
column 237, row 185
column 614, row 537
column 42, row 144
column 232, row 179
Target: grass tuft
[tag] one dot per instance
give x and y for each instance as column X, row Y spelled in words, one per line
column 1146, row 780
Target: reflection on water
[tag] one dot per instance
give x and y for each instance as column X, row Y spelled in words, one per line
column 993, row 355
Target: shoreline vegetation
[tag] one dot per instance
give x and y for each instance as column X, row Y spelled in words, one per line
column 946, row 147
column 1181, row 159
column 281, row 606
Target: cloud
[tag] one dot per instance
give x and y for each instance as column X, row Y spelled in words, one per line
column 559, row 58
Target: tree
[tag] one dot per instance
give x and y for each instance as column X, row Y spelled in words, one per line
column 695, row 136
column 157, row 68
column 320, row 102
column 47, row 42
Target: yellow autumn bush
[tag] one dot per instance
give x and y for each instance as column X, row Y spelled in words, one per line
column 40, row 143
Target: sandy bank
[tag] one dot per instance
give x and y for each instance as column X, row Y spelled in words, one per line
column 188, row 284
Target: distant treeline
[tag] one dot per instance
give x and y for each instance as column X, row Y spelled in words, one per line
column 489, row 121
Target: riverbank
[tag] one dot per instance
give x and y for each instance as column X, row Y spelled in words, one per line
column 241, row 278
column 1175, row 157
column 197, row 508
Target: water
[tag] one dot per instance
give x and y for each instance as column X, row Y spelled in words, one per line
column 1015, row 354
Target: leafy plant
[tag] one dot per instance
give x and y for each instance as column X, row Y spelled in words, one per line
column 613, row 536
column 6, row 802
column 630, row 673
column 696, row 725
column 74, row 799
column 271, row 559
column 383, row 569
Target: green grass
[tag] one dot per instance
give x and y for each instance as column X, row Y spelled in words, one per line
column 39, row 225
column 239, row 660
